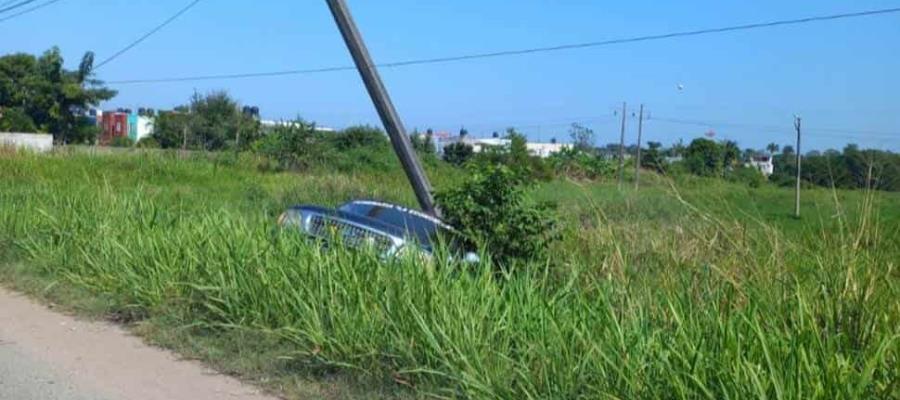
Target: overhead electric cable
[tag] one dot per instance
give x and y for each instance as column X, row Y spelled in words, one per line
column 28, row 10
column 504, row 53
column 148, row 34
column 17, row 5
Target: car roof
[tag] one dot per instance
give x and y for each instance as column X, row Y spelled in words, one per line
column 417, row 213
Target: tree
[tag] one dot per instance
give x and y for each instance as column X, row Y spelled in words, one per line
column 359, row 136
column 295, row 145
column 518, row 147
column 582, row 137
column 417, row 140
column 53, row 98
column 787, row 150
column 652, row 158
column 428, row 143
column 16, row 120
column 704, row 157
column 213, row 121
column 748, row 154
column 772, row 148
column 731, row 154
column 172, row 129
column 458, row 153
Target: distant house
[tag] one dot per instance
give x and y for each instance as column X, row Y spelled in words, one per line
column 763, row 163
column 538, row 149
column 113, row 124
column 124, row 123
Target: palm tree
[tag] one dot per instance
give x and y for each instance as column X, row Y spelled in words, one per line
column 772, row 148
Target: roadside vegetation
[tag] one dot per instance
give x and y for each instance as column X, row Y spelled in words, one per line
column 691, row 287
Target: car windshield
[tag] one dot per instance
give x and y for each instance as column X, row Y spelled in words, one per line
column 421, row 228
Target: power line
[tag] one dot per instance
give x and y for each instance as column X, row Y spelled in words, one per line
column 148, row 34
column 28, row 10
column 17, row 5
column 504, row 53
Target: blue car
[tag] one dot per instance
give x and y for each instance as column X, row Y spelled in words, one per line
column 391, row 229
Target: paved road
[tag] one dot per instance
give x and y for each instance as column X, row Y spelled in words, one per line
column 45, row 355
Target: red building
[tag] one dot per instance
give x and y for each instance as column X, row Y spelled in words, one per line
column 113, row 125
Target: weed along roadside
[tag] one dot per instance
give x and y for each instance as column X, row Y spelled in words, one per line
column 696, row 286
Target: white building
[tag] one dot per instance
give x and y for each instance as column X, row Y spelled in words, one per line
column 144, row 127
column 271, row 123
column 763, row 163
column 37, row 142
column 538, row 149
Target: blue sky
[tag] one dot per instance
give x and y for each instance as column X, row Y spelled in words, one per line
column 841, row 76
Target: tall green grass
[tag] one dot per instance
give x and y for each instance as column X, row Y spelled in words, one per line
column 663, row 293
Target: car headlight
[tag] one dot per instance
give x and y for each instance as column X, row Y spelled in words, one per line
column 290, row 218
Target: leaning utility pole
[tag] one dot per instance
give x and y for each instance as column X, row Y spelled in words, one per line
column 637, row 163
column 797, row 122
column 389, row 117
column 622, row 149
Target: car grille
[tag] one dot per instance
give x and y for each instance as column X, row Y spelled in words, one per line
column 350, row 235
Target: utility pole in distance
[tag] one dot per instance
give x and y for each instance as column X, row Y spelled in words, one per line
column 386, row 111
column 622, row 148
column 637, row 163
column 797, row 122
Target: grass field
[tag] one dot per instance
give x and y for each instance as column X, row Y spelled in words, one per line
column 693, row 288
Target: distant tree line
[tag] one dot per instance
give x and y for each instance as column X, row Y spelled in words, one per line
column 851, row 168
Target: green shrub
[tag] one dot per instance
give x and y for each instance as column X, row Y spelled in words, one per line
column 121, row 141
column 491, row 208
column 575, row 163
column 147, row 143
column 289, row 146
column 458, row 153
column 746, row 175
column 704, row 157
column 359, row 136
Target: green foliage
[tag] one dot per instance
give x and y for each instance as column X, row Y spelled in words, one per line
column 704, row 157
column 359, row 136
column 86, row 131
column 491, row 208
column 147, row 143
column 170, row 129
column 214, row 121
column 52, row 97
column 575, row 163
column 293, row 145
column 458, row 153
column 731, row 154
column 850, row 169
column 746, row 175
column 515, row 156
column 121, row 141
column 653, row 158
column 423, row 143
column 16, row 120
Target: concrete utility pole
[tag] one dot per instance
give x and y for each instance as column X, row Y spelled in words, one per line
column 637, row 163
column 797, row 122
column 389, row 117
column 622, row 149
